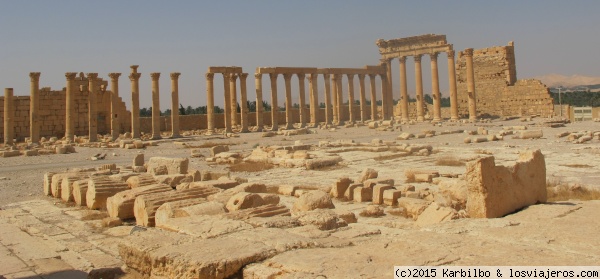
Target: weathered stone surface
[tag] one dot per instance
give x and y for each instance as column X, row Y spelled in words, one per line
column 218, row 149
column 372, row 211
column 378, row 191
column 434, row 214
column 391, row 196
column 362, row 194
column 494, row 191
column 367, row 173
column 121, row 204
column 340, row 187
column 158, row 165
column 414, row 207
column 138, row 160
column 100, row 189
column 244, row 201
column 141, row 180
column 324, row 219
column 312, row 200
column 531, row 134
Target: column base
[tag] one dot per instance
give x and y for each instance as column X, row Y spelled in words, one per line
column 176, row 136
column 420, row 118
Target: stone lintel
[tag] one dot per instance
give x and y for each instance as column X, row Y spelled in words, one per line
column 286, row 70
column 225, row 70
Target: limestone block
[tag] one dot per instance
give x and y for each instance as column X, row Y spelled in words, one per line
column 372, row 211
column 138, row 160
column 378, row 191
column 121, row 204
column 373, row 125
column 367, row 173
column 312, row 200
column 186, row 208
column 100, row 189
column 414, row 207
column 33, row 152
column 218, row 149
column 391, row 196
column 349, row 194
column 434, row 214
column 341, row 185
column 287, row 190
column 362, row 194
column 244, row 201
column 531, row 134
column 141, row 180
column 323, row 219
column 423, row 177
column 370, row 183
column 221, row 183
column 405, row 136
column 494, row 191
column 173, row 179
column 173, row 165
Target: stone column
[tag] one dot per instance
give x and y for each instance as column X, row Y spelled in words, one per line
column 301, row 92
column 363, row 100
column 314, row 100
column 419, row 88
column 259, row 102
column 350, row 98
column 340, row 100
column 288, row 101
column 389, row 92
column 175, row 105
column 471, row 84
column 210, row 103
column 373, row 90
column 92, row 107
column 155, row 106
column 9, row 117
column 134, row 77
column 403, row 89
column 435, row 88
column 328, row 111
column 452, row 85
column 274, row 106
column 243, row 103
column 384, row 89
column 70, row 108
column 227, row 103
column 334, row 86
column 233, row 98
column 34, row 108
column 115, row 125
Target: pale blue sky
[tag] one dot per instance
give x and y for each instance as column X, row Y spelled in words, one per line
column 54, row 37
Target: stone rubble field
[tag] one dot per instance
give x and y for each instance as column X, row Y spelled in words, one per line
column 327, row 202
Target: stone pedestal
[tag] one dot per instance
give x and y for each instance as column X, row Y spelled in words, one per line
column 175, row 105
column 403, row 90
column 92, row 107
column 373, row 91
column 471, row 84
column 363, row 100
column 259, row 103
column 134, row 77
column 155, row 106
column 227, row 104
column 419, row 88
column 288, row 101
column 115, row 123
column 452, row 86
column 233, row 99
column 301, row 94
column 328, row 108
column 350, row 98
column 70, row 107
column 210, row 103
column 243, row 103
column 9, row 117
column 274, row 105
column 34, row 107
column 435, row 88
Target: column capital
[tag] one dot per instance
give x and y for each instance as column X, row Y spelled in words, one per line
column 402, row 59
column 134, row 68
column 361, row 76
column 243, row 76
column 232, row 77
column 35, row 76
column 301, row 76
column 225, row 76
column 350, row 77
column 450, row 53
column 92, row 76
column 433, row 56
column 335, row 77
column 383, row 77
column 287, row 77
column 175, row 75
column 372, row 76
column 155, row 76
column 326, row 76
column 273, row 75
column 383, row 61
column 468, row 52
column 114, row 76
column 70, row 75
column 257, row 76
column 209, row 76
column 418, row 57
column 134, row 76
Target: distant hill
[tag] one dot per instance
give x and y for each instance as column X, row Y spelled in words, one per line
column 569, row 82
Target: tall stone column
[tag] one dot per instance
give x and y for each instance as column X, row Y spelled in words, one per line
column 34, row 108
column 471, row 84
column 155, row 106
column 259, row 102
column 92, row 107
column 389, row 94
column 363, row 100
column 288, row 101
column 9, row 117
column 233, row 98
column 301, row 92
column 373, row 91
column 70, row 107
column 435, row 88
column 134, row 77
column 175, row 105
column 274, row 105
column 227, row 103
column 115, row 114
column 384, row 89
column 328, row 110
column 351, row 112
column 335, row 100
column 403, row 89
column 452, row 85
column 243, row 103
column 210, row 103
column 314, row 100
column 419, row 88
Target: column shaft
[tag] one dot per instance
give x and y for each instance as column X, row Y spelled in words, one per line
column 175, row 105
column 155, row 106
column 328, row 111
column 314, row 91
column 389, row 92
column 210, row 103
column 9, row 117
column 452, row 85
column 115, row 125
column 419, row 88
column 471, row 84
column 243, row 103
column 363, row 100
column 334, row 91
column 301, row 93
column 274, row 105
column 233, row 99
column 259, row 102
column 34, row 108
column 435, row 88
column 70, row 109
column 384, row 89
column 134, row 77
column 227, row 102
column 351, row 116
column 288, row 101
column 403, row 90
column 92, row 107
column 373, row 91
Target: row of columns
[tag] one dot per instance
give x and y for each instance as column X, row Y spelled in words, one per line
column 230, row 106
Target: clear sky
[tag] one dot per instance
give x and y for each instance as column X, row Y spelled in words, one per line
column 54, row 37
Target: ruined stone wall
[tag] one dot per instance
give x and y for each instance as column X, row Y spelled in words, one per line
column 497, row 90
